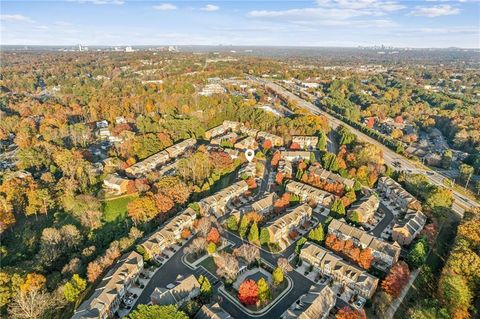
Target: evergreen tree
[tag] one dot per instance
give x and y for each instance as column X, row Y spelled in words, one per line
column 264, row 236
column 322, row 142
column 253, row 234
column 242, row 229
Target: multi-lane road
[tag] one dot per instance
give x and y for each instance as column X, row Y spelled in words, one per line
column 461, row 203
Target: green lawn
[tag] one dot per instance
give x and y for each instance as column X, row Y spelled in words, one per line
column 116, row 209
column 209, row 265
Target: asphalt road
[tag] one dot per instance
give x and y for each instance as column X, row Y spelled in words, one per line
column 460, row 201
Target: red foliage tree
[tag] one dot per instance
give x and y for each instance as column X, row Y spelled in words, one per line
column 365, row 258
column 275, row 158
column 267, row 144
column 370, row 122
column 295, row 146
column 248, row 292
column 251, row 183
column 282, row 203
column 396, row 279
column 213, row 236
column 349, row 313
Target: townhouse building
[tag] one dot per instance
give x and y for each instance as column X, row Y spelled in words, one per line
column 399, row 196
column 305, row 142
column 363, row 210
column 407, row 229
column 283, row 225
column 216, row 203
column 310, row 193
column 315, row 304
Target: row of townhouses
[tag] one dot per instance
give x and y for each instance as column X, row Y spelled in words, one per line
column 327, row 263
column 295, row 156
column 407, row 228
column 384, row 254
column 160, row 158
column 315, row 304
column 329, row 177
column 283, row 225
column 305, row 141
column 107, row 297
column 216, row 203
column 170, row 233
column 184, row 290
column 310, row 193
column 236, row 127
column 364, row 209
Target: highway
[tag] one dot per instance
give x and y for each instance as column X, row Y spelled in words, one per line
column 460, row 201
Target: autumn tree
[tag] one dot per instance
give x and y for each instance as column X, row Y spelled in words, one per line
column 74, row 287
column 232, row 223
column 197, row 246
column 396, row 279
column 264, row 236
column 206, row 289
column 284, row 265
column 213, row 236
column 349, row 313
column 455, row 295
column 418, row 254
column 253, row 233
column 154, row 312
column 249, row 253
column 142, row 209
column 33, row 282
column 263, row 290
column 242, row 229
column 32, row 304
column 278, row 276
column 365, row 258
column 163, row 203
column 227, row 266
column 248, row 292
column 7, row 218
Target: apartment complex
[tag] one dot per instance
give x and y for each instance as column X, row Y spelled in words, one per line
column 327, row 263
column 107, row 297
column 295, row 156
column 264, row 206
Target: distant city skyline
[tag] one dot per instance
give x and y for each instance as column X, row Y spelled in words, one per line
column 339, row 23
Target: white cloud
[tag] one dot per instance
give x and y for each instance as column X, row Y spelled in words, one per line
column 99, row 1
column 15, row 18
column 435, row 11
column 210, row 8
column 165, row 7
column 333, row 9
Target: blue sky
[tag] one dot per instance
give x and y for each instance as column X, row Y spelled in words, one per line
column 425, row 23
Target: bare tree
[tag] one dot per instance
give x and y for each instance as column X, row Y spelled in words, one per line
column 284, row 265
column 91, row 219
column 204, row 225
column 197, row 245
column 33, row 304
column 227, row 265
column 248, row 252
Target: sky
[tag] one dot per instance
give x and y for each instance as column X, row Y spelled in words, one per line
column 327, row 23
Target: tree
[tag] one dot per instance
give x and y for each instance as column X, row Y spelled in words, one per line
column 349, row 313
column 277, row 276
column 396, row 279
column 295, row 146
column 206, row 289
column 248, row 292
column 32, row 304
column 263, row 290
column 227, row 265
column 213, row 236
column 264, row 236
column 74, row 287
column 154, row 312
column 455, row 295
column 300, row 244
column 338, row 208
column 267, row 144
column 33, row 282
column 197, row 245
column 163, row 203
column 322, row 142
column 232, row 223
column 253, row 234
column 284, row 265
column 248, row 252
column 7, row 219
column 440, row 200
column 466, row 172
column 417, row 254
column 446, row 161
column 39, row 201
column 94, row 270
column 242, row 229
column 365, row 258
column 211, row 248
column 142, row 210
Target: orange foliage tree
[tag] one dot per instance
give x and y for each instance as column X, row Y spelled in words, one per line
column 349, row 313
column 33, row 282
column 396, row 279
column 248, row 292
column 282, row 203
column 267, row 144
column 186, row 233
column 213, row 236
column 275, row 158
column 251, row 183
column 294, row 146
